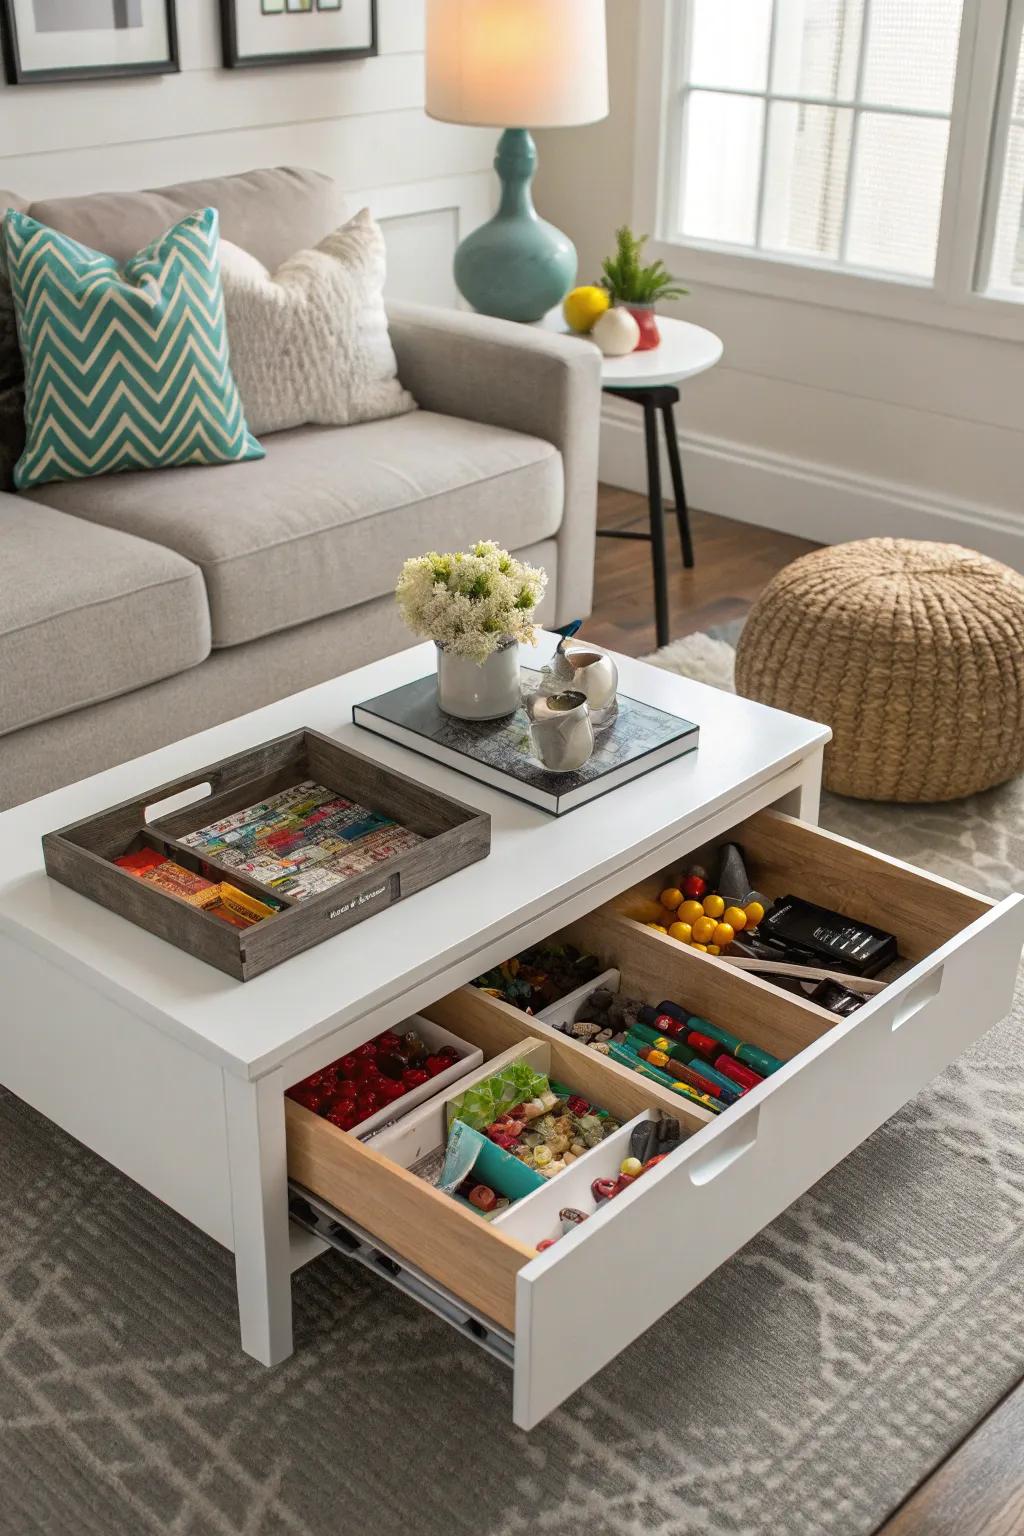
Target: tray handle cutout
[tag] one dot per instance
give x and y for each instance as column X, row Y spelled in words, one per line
column 919, row 996
column 729, row 1145
column 177, row 802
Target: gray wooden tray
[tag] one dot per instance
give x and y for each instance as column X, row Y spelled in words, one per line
column 81, row 855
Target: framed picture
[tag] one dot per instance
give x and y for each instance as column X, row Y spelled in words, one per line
column 49, row 40
column 297, row 31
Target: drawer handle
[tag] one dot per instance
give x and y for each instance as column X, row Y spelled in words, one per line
column 919, row 996
column 725, row 1150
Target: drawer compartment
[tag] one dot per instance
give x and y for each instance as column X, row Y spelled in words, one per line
column 734, row 1173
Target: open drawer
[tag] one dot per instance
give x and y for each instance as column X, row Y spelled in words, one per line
column 567, row 1311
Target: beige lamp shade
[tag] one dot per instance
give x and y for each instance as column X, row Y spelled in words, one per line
column 517, row 63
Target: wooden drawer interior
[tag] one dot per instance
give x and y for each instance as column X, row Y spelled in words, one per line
column 479, row 1261
column 472, row 1258
column 783, row 856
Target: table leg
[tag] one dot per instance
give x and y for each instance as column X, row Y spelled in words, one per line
column 678, row 489
column 258, row 1163
column 658, row 559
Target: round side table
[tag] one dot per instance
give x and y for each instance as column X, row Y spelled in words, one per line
column 651, row 380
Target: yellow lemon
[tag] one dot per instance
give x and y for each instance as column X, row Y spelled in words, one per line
column 583, row 307
column 700, row 946
column 714, row 906
column 704, row 930
column 736, row 917
column 724, row 935
column 671, row 898
column 690, row 911
column 754, row 913
column 713, row 949
column 681, row 931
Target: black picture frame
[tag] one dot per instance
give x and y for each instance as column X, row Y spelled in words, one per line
column 234, row 60
column 17, row 75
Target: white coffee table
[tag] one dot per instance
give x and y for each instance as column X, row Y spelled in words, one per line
column 176, row 1074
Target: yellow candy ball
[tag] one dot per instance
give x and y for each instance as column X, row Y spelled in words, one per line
column 671, row 897
column 713, row 949
column 690, row 912
column 724, row 934
column 704, row 929
column 700, row 946
column 754, row 913
column 681, row 931
column 583, row 307
column 714, row 906
column 737, row 917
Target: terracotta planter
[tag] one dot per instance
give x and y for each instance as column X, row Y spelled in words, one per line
column 647, row 320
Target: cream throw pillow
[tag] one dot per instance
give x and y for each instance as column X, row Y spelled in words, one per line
column 311, row 343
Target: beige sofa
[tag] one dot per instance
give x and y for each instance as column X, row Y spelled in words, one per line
column 138, row 608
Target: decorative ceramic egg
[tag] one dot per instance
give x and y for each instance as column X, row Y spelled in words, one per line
column 616, row 332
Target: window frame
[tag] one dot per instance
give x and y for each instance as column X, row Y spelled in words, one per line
column 990, row 36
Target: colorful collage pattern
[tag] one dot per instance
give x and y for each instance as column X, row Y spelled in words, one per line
column 303, row 841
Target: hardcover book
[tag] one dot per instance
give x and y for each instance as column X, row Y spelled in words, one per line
column 499, row 752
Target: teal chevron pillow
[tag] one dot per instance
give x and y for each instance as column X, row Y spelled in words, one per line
column 126, row 367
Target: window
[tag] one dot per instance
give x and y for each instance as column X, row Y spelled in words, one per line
column 858, row 136
column 1005, row 267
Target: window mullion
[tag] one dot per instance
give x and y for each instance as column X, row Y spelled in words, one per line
column 851, row 162
column 985, row 154
column 762, row 178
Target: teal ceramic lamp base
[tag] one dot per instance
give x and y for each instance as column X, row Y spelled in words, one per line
column 515, row 266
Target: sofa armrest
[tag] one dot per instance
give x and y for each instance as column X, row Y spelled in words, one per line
column 528, row 380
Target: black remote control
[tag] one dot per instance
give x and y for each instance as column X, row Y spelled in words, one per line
column 837, row 942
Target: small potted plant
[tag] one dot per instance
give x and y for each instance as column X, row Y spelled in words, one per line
column 636, row 287
column 476, row 606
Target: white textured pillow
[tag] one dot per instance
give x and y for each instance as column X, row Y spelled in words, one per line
column 311, row 343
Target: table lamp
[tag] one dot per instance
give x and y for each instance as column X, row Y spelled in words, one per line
column 534, row 63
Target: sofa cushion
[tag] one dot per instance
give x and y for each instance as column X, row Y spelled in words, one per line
column 87, row 613
column 12, row 373
column 327, row 518
column 126, row 367
column 271, row 213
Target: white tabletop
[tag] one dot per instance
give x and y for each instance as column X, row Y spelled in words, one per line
column 535, row 864
column 685, row 351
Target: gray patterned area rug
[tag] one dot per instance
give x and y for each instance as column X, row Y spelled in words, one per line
column 804, row 1389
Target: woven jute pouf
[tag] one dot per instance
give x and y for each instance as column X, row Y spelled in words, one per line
column 912, row 652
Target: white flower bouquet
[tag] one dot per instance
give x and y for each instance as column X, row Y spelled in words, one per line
column 473, row 603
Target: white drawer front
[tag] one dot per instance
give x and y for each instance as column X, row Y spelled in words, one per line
column 579, row 1304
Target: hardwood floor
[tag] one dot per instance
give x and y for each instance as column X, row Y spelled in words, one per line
column 733, row 562
column 979, row 1489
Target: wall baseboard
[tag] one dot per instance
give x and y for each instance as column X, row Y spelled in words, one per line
column 813, row 501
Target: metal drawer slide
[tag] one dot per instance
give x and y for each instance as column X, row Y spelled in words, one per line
column 351, row 1240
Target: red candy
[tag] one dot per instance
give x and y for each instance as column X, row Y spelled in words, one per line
column 694, row 887
column 414, row 1077
column 577, row 1106
column 347, row 1066
column 546, row 1242
column 603, row 1189
column 434, row 1065
column 309, row 1098
column 388, row 1041
column 483, row 1197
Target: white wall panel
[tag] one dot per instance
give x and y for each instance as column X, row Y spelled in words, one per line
column 361, row 122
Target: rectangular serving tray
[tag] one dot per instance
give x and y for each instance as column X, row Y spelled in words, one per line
column 81, row 855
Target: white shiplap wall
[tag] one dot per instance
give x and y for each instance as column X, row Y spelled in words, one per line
column 361, row 122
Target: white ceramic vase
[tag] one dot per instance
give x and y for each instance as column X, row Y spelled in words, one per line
column 472, row 690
